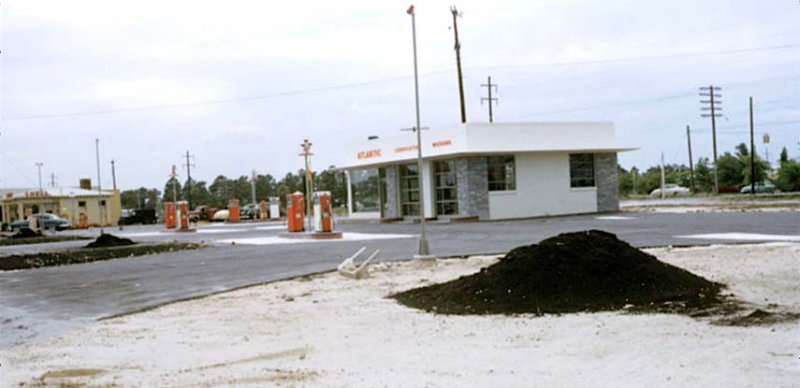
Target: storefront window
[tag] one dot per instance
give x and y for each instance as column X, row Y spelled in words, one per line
column 446, row 193
column 409, row 190
column 366, row 195
column 581, row 170
column 502, row 174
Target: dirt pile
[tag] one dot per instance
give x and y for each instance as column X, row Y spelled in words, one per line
column 26, row 233
column 109, row 240
column 571, row 272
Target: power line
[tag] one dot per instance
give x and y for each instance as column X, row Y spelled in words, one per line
column 378, row 82
column 767, row 124
column 643, row 58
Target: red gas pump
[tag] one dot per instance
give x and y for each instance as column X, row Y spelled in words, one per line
column 184, row 209
column 295, row 212
column 169, row 215
column 233, row 210
column 323, row 212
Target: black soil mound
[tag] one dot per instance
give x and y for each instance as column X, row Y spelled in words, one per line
column 109, row 240
column 572, row 272
column 26, row 233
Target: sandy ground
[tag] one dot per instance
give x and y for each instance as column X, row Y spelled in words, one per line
column 712, row 204
column 327, row 330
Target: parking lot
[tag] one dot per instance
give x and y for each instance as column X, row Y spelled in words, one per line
column 48, row 300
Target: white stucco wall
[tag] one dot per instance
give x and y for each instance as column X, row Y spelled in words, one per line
column 542, row 189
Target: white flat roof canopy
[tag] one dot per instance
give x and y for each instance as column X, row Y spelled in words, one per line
column 486, row 139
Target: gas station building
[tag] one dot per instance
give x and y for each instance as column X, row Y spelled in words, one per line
column 79, row 205
column 487, row 171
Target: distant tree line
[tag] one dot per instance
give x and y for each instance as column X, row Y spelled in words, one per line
column 734, row 173
column 223, row 189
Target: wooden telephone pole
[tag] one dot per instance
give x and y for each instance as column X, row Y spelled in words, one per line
column 455, row 13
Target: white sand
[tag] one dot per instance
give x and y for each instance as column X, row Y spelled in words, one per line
column 332, row 331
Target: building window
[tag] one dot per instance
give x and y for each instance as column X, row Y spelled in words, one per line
column 82, row 203
column 446, row 193
column 103, row 203
column 581, row 170
column 409, row 190
column 502, row 174
column 366, row 194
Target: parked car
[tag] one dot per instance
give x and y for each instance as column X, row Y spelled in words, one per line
column 763, row 187
column 671, row 190
column 220, row 215
column 46, row 221
column 202, row 213
column 138, row 216
column 249, row 211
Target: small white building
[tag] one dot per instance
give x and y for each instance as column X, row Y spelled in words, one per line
column 82, row 206
column 487, row 171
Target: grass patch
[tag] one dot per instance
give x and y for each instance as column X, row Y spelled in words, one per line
column 88, row 255
column 39, row 240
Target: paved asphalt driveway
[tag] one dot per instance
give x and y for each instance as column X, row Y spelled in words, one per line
column 35, row 303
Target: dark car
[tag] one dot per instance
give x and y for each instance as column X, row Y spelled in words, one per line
column 46, row 221
column 138, row 216
column 764, row 187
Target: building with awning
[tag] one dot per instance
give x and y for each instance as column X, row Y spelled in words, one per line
column 82, row 206
column 486, row 171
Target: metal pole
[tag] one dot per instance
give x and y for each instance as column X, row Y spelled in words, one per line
column 491, row 119
column 691, row 164
column 99, row 185
column 39, row 166
column 423, row 242
column 308, row 194
column 113, row 175
column 752, row 153
column 253, row 188
column 663, row 194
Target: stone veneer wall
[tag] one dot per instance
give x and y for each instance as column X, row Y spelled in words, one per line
column 605, row 175
column 392, row 192
column 472, row 182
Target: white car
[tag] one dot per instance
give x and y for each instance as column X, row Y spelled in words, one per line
column 220, row 215
column 671, row 190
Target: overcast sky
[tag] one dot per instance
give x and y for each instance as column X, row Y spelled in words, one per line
column 241, row 83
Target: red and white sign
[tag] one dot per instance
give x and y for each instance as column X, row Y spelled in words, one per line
column 369, row 154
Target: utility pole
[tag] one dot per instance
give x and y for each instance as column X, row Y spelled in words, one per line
column 752, row 153
column 41, row 191
column 489, row 99
column 113, row 175
column 456, row 15
column 99, row 186
column 663, row 180
column 52, row 180
column 253, row 187
column 174, row 178
column 710, row 91
column 691, row 164
column 189, row 180
column 305, row 154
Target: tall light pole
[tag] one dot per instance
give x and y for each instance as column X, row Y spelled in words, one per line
column 423, row 242
column 39, row 166
column 305, row 154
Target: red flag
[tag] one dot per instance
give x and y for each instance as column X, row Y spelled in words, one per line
column 410, row 10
